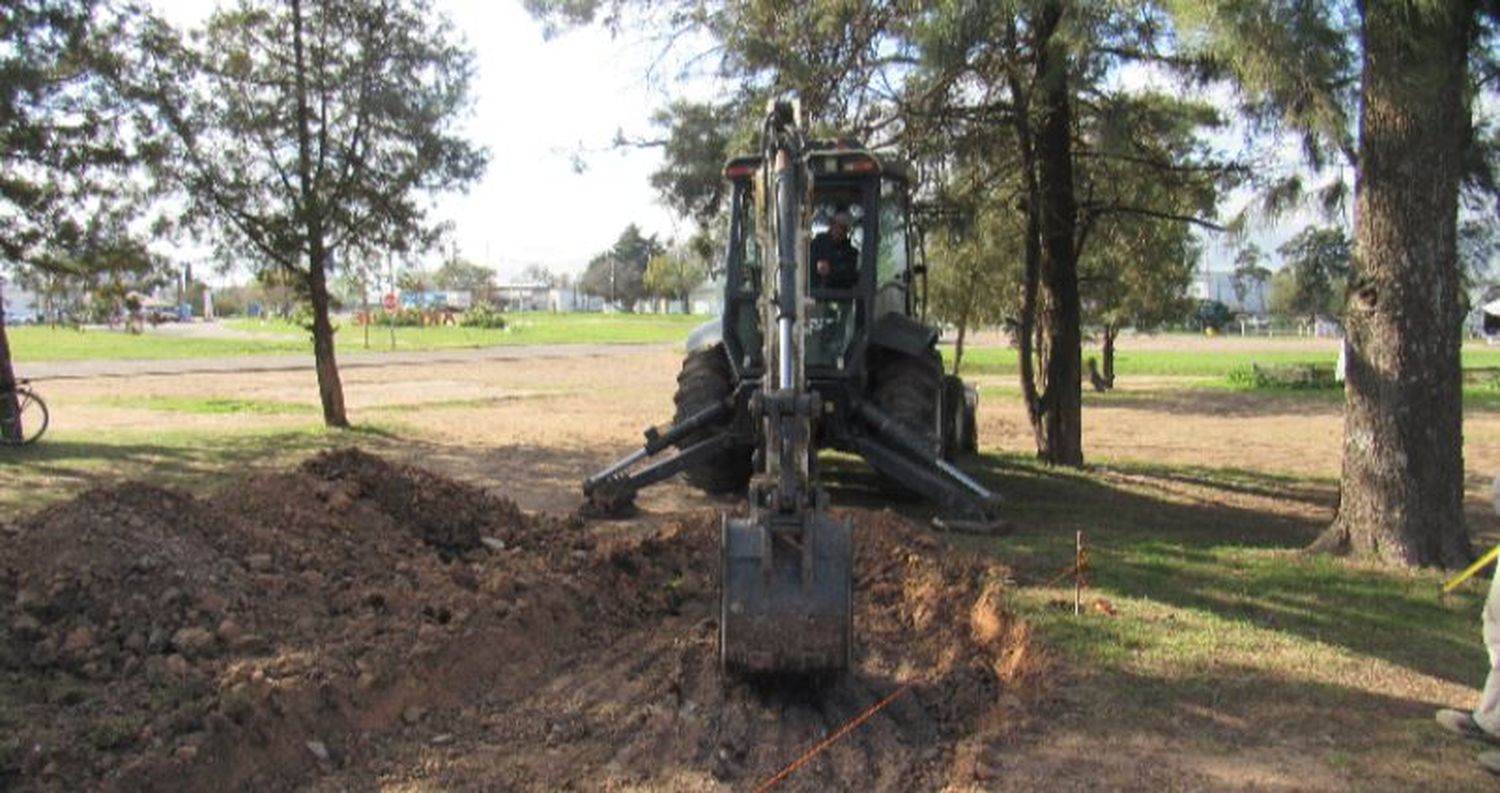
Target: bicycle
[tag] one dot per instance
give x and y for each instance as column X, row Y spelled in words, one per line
column 29, row 420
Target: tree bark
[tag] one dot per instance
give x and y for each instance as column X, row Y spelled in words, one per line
column 958, row 343
column 330, row 387
column 1062, row 401
column 1401, row 488
column 1026, row 327
column 1108, row 354
column 10, row 407
column 963, row 321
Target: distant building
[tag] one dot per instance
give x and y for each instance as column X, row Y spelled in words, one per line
column 1212, row 285
column 570, row 299
column 524, row 296
column 452, row 300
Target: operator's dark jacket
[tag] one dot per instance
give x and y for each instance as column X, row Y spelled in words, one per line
column 843, row 262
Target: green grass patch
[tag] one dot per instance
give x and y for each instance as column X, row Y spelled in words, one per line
column 65, row 463
column 521, row 328
column 1195, row 363
column 1205, row 620
column 41, row 343
column 213, row 405
column 476, row 403
column 1218, row 362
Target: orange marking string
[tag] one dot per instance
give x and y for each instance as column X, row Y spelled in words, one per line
column 848, row 727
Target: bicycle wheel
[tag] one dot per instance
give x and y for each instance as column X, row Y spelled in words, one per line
column 29, row 422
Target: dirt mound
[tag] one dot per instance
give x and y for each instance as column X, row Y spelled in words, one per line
column 354, row 623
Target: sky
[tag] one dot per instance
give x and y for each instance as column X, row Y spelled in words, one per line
column 536, row 104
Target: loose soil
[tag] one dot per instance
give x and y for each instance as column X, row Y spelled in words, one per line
column 359, row 624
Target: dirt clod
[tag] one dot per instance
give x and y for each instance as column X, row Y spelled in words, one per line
column 154, row 640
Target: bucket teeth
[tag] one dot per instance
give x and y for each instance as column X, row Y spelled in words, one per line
column 786, row 605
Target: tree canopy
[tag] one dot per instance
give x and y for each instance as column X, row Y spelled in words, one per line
column 1315, row 266
column 295, row 131
column 618, row 275
column 68, row 143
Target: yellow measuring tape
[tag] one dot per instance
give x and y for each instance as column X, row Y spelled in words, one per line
column 1471, row 570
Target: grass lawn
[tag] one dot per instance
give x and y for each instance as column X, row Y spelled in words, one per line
column 66, row 463
column 42, row 343
column 1192, row 363
column 253, row 337
column 1207, row 624
column 522, row 328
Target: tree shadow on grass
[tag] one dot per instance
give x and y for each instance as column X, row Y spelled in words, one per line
column 1233, row 727
column 1224, row 403
column 1237, row 558
column 58, row 468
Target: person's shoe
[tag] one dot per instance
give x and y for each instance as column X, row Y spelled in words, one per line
column 1490, row 761
column 1462, row 722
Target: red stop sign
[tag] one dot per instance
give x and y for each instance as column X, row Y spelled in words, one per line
column 390, row 301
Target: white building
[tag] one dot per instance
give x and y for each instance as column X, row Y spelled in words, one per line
column 524, row 296
column 570, row 299
column 1212, row 285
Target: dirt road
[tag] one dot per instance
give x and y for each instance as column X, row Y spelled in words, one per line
column 533, row 421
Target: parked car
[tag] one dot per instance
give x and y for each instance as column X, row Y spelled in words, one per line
column 156, row 316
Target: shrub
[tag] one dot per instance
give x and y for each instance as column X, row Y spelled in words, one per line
column 406, row 318
column 1288, row 376
column 482, row 316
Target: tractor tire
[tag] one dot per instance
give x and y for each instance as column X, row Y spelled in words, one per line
column 706, row 379
column 968, row 436
column 911, row 392
column 953, row 416
column 960, row 433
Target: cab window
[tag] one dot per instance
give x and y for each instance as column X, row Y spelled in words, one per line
column 890, row 259
column 748, row 243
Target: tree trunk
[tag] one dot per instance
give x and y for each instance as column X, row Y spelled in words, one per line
column 958, row 343
column 963, row 321
column 1025, row 327
column 1062, row 401
column 1401, row 489
column 330, row 389
column 10, row 407
column 1108, row 353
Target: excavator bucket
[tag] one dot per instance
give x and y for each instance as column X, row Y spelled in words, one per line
column 786, row 597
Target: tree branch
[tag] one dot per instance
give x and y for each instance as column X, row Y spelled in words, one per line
column 1122, row 209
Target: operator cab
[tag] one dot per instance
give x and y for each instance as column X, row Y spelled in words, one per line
column 873, row 194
